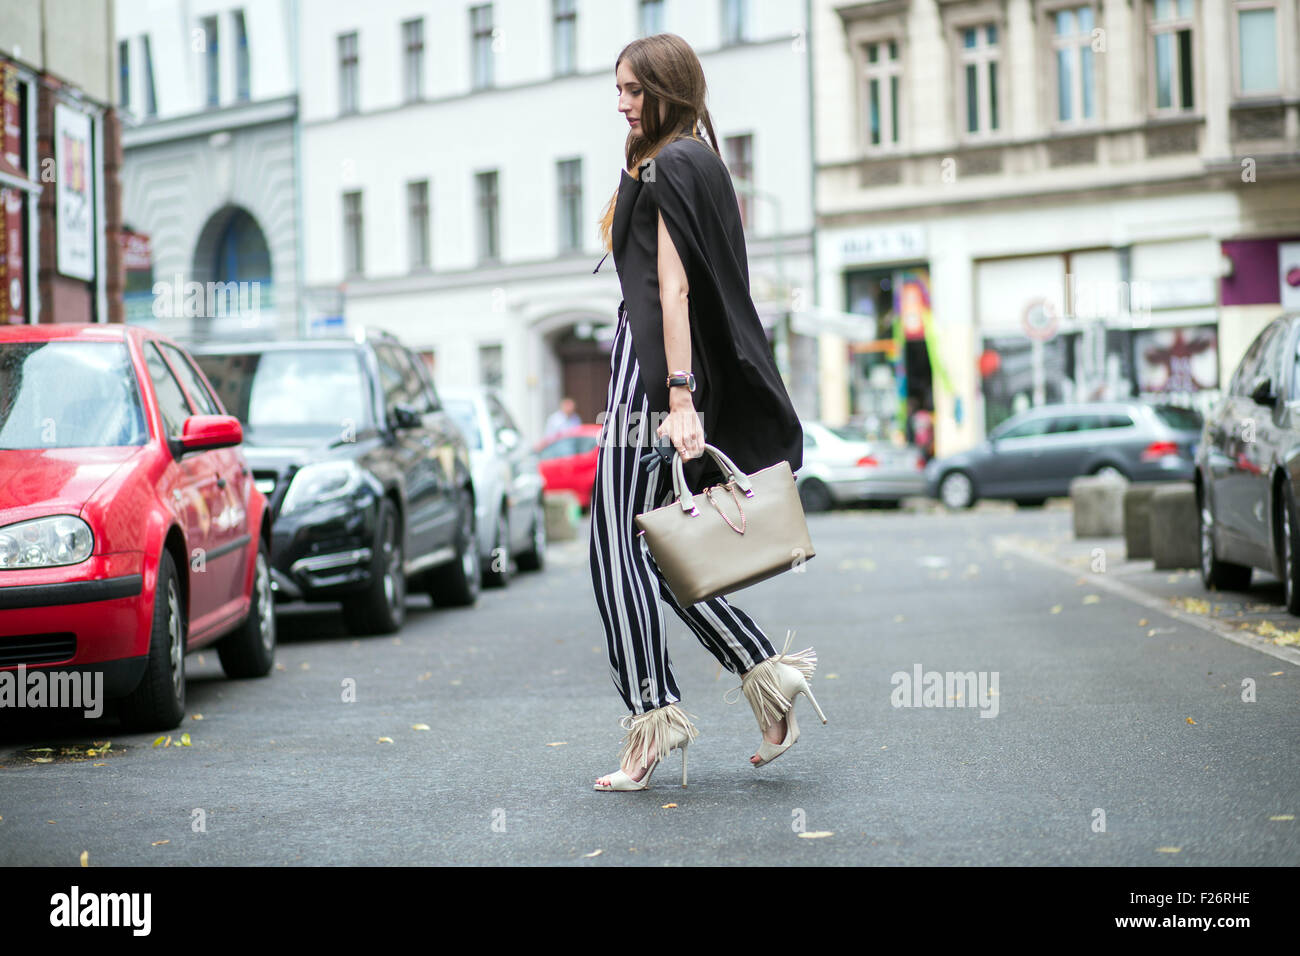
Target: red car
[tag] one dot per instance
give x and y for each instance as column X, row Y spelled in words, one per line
column 131, row 530
column 568, row 461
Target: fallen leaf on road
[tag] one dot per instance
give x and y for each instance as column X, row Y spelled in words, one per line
column 1169, row 849
column 1057, row 608
column 456, row 682
column 669, row 806
column 1276, row 674
column 1192, row 605
column 185, row 740
column 99, row 765
column 1283, row 816
column 1142, row 623
column 816, row 834
column 419, row 726
column 279, row 666
column 831, row 677
column 884, row 748
column 384, row 740
column 558, row 743
column 85, row 858
column 593, row 853
column 160, row 842
column 1091, row 598
column 196, row 716
column 42, row 760
column 1190, row 721
column 305, row 665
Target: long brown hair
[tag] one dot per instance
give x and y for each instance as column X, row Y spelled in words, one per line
column 669, row 73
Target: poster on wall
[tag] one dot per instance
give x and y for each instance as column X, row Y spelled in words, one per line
column 1180, row 360
column 75, row 195
column 13, row 204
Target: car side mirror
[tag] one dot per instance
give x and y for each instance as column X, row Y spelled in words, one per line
column 405, row 416
column 1262, row 393
column 203, row 432
column 508, row 438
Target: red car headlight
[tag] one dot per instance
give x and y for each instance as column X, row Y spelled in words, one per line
column 45, row 542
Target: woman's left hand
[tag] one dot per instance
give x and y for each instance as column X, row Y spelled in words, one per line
column 682, row 426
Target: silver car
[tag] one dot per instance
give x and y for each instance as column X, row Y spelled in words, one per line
column 1034, row 455
column 838, row 469
column 507, row 484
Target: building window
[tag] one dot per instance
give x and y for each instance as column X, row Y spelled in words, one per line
column 566, row 33
column 480, row 19
column 353, row 246
column 735, row 21
column 491, row 366
column 1171, row 54
column 348, row 73
column 570, row 179
column 740, row 160
column 242, row 65
column 979, row 67
column 212, row 62
column 413, row 59
column 150, row 94
column 489, row 239
column 881, row 74
column 124, row 74
column 652, row 17
column 1075, row 80
column 1257, row 40
column 417, row 205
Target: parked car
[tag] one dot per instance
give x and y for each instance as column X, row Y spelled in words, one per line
column 1248, row 466
column 131, row 531
column 568, row 461
column 368, row 477
column 838, row 469
column 511, row 513
column 1035, row 455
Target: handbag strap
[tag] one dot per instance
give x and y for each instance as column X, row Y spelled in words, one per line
column 683, row 490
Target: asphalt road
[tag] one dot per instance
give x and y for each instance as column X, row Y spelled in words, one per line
column 1093, row 713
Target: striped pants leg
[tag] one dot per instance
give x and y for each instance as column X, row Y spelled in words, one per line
column 628, row 584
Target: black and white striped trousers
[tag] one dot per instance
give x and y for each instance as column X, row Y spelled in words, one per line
column 628, row 584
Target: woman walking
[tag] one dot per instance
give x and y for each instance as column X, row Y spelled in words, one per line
column 690, row 360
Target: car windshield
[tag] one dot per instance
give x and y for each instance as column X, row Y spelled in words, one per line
column 1179, row 418
column 291, row 392
column 464, row 415
column 69, row 394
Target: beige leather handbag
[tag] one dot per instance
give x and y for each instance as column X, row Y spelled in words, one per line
column 735, row 539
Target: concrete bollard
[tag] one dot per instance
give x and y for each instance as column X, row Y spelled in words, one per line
column 1137, row 517
column 562, row 515
column 1098, row 506
column 1175, row 530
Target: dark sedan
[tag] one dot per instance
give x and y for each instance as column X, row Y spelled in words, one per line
column 1248, row 466
column 1035, row 455
column 368, row 477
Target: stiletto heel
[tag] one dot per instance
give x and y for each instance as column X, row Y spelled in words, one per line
column 771, row 688
column 651, row 737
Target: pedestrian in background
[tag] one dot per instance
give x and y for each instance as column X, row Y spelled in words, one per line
column 566, row 416
column 674, row 228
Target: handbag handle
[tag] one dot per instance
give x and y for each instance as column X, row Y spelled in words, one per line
column 683, row 491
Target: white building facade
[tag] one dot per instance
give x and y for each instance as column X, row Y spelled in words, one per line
column 1051, row 200
column 208, row 96
column 457, row 157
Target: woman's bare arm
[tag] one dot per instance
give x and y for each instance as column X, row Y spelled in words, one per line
column 682, row 424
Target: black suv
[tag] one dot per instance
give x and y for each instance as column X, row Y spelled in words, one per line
column 368, row 478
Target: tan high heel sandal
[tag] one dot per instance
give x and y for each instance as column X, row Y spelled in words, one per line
column 651, row 737
column 771, row 688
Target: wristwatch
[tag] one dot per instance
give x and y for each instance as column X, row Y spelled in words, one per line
column 682, row 378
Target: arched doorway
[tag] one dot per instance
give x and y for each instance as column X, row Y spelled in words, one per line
column 583, row 354
column 233, row 261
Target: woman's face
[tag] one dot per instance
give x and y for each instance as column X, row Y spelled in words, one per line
column 629, row 96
